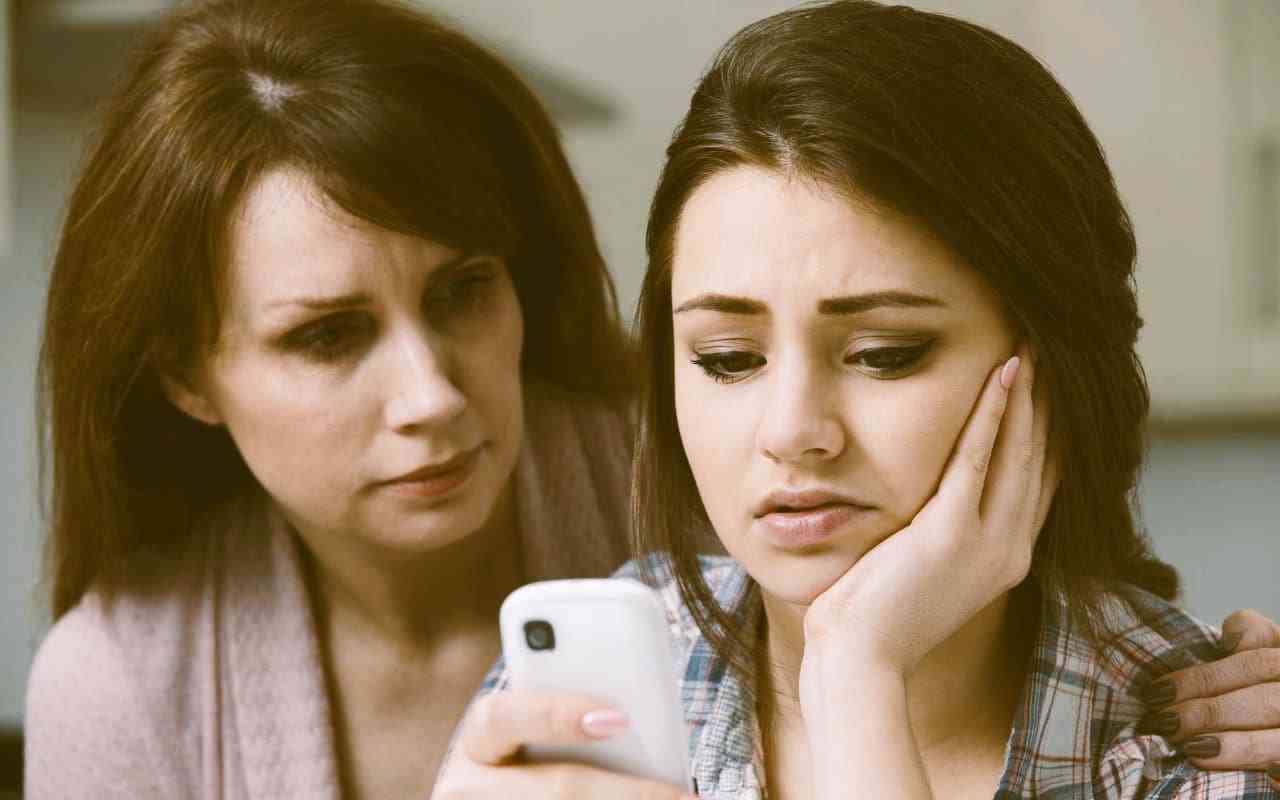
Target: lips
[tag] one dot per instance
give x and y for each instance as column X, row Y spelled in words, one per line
column 787, row 501
column 800, row 519
column 437, row 479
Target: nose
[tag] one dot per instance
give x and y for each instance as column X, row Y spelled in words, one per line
column 801, row 422
column 424, row 391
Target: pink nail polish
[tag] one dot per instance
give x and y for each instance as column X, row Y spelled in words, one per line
column 1009, row 371
column 604, row 723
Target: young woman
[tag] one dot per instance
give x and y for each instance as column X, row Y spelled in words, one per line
column 331, row 364
column 889, row 324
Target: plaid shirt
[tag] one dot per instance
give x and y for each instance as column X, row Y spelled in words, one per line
column 1073, row 734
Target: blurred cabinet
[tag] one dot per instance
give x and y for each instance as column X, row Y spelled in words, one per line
column 1255, row 45
column 1183, row 96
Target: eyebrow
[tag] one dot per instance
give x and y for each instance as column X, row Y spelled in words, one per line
column 835, row 306
column 335, row 303
column 357, row 299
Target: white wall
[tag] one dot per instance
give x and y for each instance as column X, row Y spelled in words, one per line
column 646, row 58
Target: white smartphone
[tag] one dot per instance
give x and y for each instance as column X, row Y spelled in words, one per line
column 607, row 638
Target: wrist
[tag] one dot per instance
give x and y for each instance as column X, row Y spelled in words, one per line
column 857, row 725
column 852, row 659
column 840, row 698
column 829, row 634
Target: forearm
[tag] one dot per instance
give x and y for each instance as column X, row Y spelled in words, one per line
column 861, row 740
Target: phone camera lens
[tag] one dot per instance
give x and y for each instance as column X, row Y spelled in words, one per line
column 539, row 634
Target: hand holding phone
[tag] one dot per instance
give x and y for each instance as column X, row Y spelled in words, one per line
column 608, row 639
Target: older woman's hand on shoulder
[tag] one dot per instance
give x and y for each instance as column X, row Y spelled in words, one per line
column 486, row 760
column 1226, row 714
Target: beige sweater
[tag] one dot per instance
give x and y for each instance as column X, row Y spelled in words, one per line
column 208, row 682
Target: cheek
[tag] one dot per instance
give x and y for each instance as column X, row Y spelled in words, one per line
column 690, row 415
column 489, row 356
column 294, row 429
column 715, row 425
column 910, row 435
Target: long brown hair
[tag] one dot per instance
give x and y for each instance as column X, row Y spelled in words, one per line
column 401, row 121
column 966, row 134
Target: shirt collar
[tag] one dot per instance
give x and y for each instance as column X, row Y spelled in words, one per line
column 1058, row 736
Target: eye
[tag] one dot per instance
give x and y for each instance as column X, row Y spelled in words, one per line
column 330, row 338
column 463, row 292
column 889, row 362
column 729, row 366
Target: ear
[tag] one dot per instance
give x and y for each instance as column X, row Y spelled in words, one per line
column 190, row 401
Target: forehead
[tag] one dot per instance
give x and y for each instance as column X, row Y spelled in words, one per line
column 757, row 233
column 288, row 238
column 286, row 232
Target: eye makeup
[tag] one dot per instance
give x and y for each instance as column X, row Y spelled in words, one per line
column 891, row 359
column 457, row 291
column 330, row 337
column 887, row 359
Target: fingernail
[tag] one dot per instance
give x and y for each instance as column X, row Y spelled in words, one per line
column 1163, row 724
column 1009, row 371
column 1179, row 660
column 1202, row 747
column 1230, row 641
column 1160, row 693
column 604, row 723
column 1273, row 772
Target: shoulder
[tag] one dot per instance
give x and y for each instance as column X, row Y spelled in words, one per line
column 1145, row 636
column 1077, row 730
column 61, row 671
column 1138, row 638
column 147, row 630
column 91, row 724
column 1148, row 637
column 119, row 680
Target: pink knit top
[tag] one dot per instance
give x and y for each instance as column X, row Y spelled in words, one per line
column 207, row 682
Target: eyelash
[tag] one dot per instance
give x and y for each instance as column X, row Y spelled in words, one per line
column 463, row 293
column 328, row 339
column 715, row 364
column 331, row 338
column 720, row 366
column 901, row 360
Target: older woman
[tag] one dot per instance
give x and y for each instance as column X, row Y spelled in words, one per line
column 331, row 364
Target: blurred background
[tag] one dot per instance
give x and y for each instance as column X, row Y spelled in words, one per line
column 1184, row 94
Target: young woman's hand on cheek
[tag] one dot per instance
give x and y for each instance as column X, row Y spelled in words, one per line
column 485, row 761
column 969, row 544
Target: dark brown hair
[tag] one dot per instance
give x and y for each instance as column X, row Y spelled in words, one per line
column 400, row 121
column 967, row 135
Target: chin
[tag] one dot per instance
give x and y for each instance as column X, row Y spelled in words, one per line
column 800, row 579
column 424, row 530
column 427, row 524
column 411, row 541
